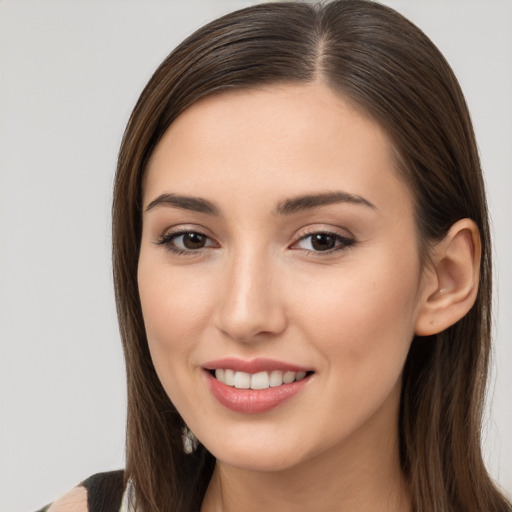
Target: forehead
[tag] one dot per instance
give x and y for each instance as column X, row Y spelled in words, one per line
column 274, row 141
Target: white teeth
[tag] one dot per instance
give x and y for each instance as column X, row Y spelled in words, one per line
column 260, row 380
column 242, row 380
column 229, row 377
column 276, row 378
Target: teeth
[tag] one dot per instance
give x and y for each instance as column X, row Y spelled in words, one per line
column 260, row 380
column 229, row 377
column 276, row 378
column 242, row 380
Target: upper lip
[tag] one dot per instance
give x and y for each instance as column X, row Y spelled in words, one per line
column 256, row 365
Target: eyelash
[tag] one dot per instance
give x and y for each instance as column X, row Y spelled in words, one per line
column 342, row 242
column 167, row 241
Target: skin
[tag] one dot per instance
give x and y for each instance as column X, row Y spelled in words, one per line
column 258, row 288
column 74, row 501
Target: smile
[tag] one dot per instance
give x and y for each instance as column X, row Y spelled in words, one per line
column 260, row 380
column 255, row 386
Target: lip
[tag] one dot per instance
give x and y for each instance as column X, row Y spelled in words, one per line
column 259, row 364
column 253, row 401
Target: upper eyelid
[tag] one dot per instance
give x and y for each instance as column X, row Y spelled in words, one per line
column 299, row 234
column 186, row 228
column 178, row 230
column 335, row 231
column 315, row 227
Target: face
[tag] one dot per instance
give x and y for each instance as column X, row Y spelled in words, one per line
column 279, row 254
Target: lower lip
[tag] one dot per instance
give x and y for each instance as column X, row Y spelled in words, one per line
column 253, row 401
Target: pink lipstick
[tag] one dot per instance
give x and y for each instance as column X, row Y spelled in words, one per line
column 254, row 386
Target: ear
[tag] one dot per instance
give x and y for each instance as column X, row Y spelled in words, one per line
column 450, row 284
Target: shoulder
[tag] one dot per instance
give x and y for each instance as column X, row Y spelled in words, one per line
column 73, row 501
column 102, row 492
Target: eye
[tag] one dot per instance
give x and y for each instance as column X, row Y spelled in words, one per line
column 324, row 242
column 191, row 240
column 185, row 242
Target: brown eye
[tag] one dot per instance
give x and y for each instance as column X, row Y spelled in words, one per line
column 186, row 242
column 323, row 242
column 194, row 240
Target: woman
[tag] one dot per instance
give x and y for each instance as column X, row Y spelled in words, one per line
column 302, row 270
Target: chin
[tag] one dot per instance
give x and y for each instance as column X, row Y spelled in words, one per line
column 259, row 462
column 262, row 455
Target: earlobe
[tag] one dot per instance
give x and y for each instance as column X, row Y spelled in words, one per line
column 450, row 286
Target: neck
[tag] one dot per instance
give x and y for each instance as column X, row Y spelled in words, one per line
column 362, row 474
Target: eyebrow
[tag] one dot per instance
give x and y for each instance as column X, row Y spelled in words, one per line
column 310, row 201
column 196, row 204
column 286, row 207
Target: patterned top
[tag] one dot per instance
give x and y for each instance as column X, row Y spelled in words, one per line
column 106, row 492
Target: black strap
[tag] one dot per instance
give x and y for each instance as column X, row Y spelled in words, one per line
column 105, row 491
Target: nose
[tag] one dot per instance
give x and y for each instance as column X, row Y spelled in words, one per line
column 251, row 305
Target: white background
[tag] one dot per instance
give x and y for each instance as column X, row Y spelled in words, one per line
column 70, row 72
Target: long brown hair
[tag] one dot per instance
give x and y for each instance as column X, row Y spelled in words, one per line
column 386, row 65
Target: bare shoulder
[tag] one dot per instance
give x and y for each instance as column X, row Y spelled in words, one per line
column 74, row 501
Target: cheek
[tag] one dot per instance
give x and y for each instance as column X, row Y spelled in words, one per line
column 363, row 320
column 172, row 319
column 173, row 325
column 361, row 326
column 169, row 299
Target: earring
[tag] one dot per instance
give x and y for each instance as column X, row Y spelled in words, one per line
column 189, row 440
